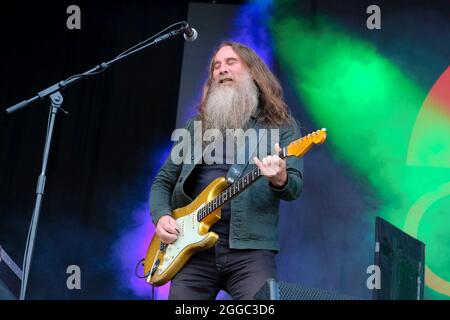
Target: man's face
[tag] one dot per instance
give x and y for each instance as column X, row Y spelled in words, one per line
column 233, row 95
column 228, row 66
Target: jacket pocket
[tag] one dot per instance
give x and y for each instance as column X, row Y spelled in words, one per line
column 262, row 213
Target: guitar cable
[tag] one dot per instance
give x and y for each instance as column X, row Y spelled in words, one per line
column 140, row 262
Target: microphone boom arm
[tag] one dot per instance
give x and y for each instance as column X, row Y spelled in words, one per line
column 94, row 71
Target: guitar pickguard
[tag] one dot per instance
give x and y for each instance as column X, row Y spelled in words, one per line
column 189, row 235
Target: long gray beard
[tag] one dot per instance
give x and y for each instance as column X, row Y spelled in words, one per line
column 230, row 107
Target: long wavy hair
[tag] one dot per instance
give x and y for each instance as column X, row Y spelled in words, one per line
column 275, row 109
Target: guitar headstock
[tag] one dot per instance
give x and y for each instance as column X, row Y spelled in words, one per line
column 300, row 146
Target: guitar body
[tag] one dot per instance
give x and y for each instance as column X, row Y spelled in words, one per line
column 162, row 262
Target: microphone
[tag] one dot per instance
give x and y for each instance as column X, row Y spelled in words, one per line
column 189, row 34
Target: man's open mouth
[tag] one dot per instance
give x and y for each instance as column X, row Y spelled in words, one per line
column 225, row 80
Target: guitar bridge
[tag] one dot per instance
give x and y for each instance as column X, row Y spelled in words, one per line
column 155, row 267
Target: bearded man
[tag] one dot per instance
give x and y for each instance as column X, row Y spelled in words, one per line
column 240, row 93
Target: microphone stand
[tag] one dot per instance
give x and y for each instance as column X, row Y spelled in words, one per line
column 56, row 100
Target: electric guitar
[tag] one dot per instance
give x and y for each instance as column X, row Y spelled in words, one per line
column 163, row 261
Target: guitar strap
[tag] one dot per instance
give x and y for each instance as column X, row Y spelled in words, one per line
column 236, row 169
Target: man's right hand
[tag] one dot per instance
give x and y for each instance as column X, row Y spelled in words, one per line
column 167, row 229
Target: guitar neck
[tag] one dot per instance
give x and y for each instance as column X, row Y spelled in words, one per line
column 296, row 148
column 233, row 190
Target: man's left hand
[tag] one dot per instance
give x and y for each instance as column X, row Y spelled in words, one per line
column 273, row 167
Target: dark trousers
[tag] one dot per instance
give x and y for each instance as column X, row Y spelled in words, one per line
column 241, row 273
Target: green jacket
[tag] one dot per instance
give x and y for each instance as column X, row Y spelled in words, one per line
column 254, row 212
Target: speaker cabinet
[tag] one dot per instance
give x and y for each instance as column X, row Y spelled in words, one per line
column 401, row 259
column 275, row 290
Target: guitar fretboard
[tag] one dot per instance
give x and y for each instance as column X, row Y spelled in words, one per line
column 232, row 190
column 228, row 193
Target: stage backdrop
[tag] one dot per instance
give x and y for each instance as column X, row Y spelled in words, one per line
column 382, row 94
